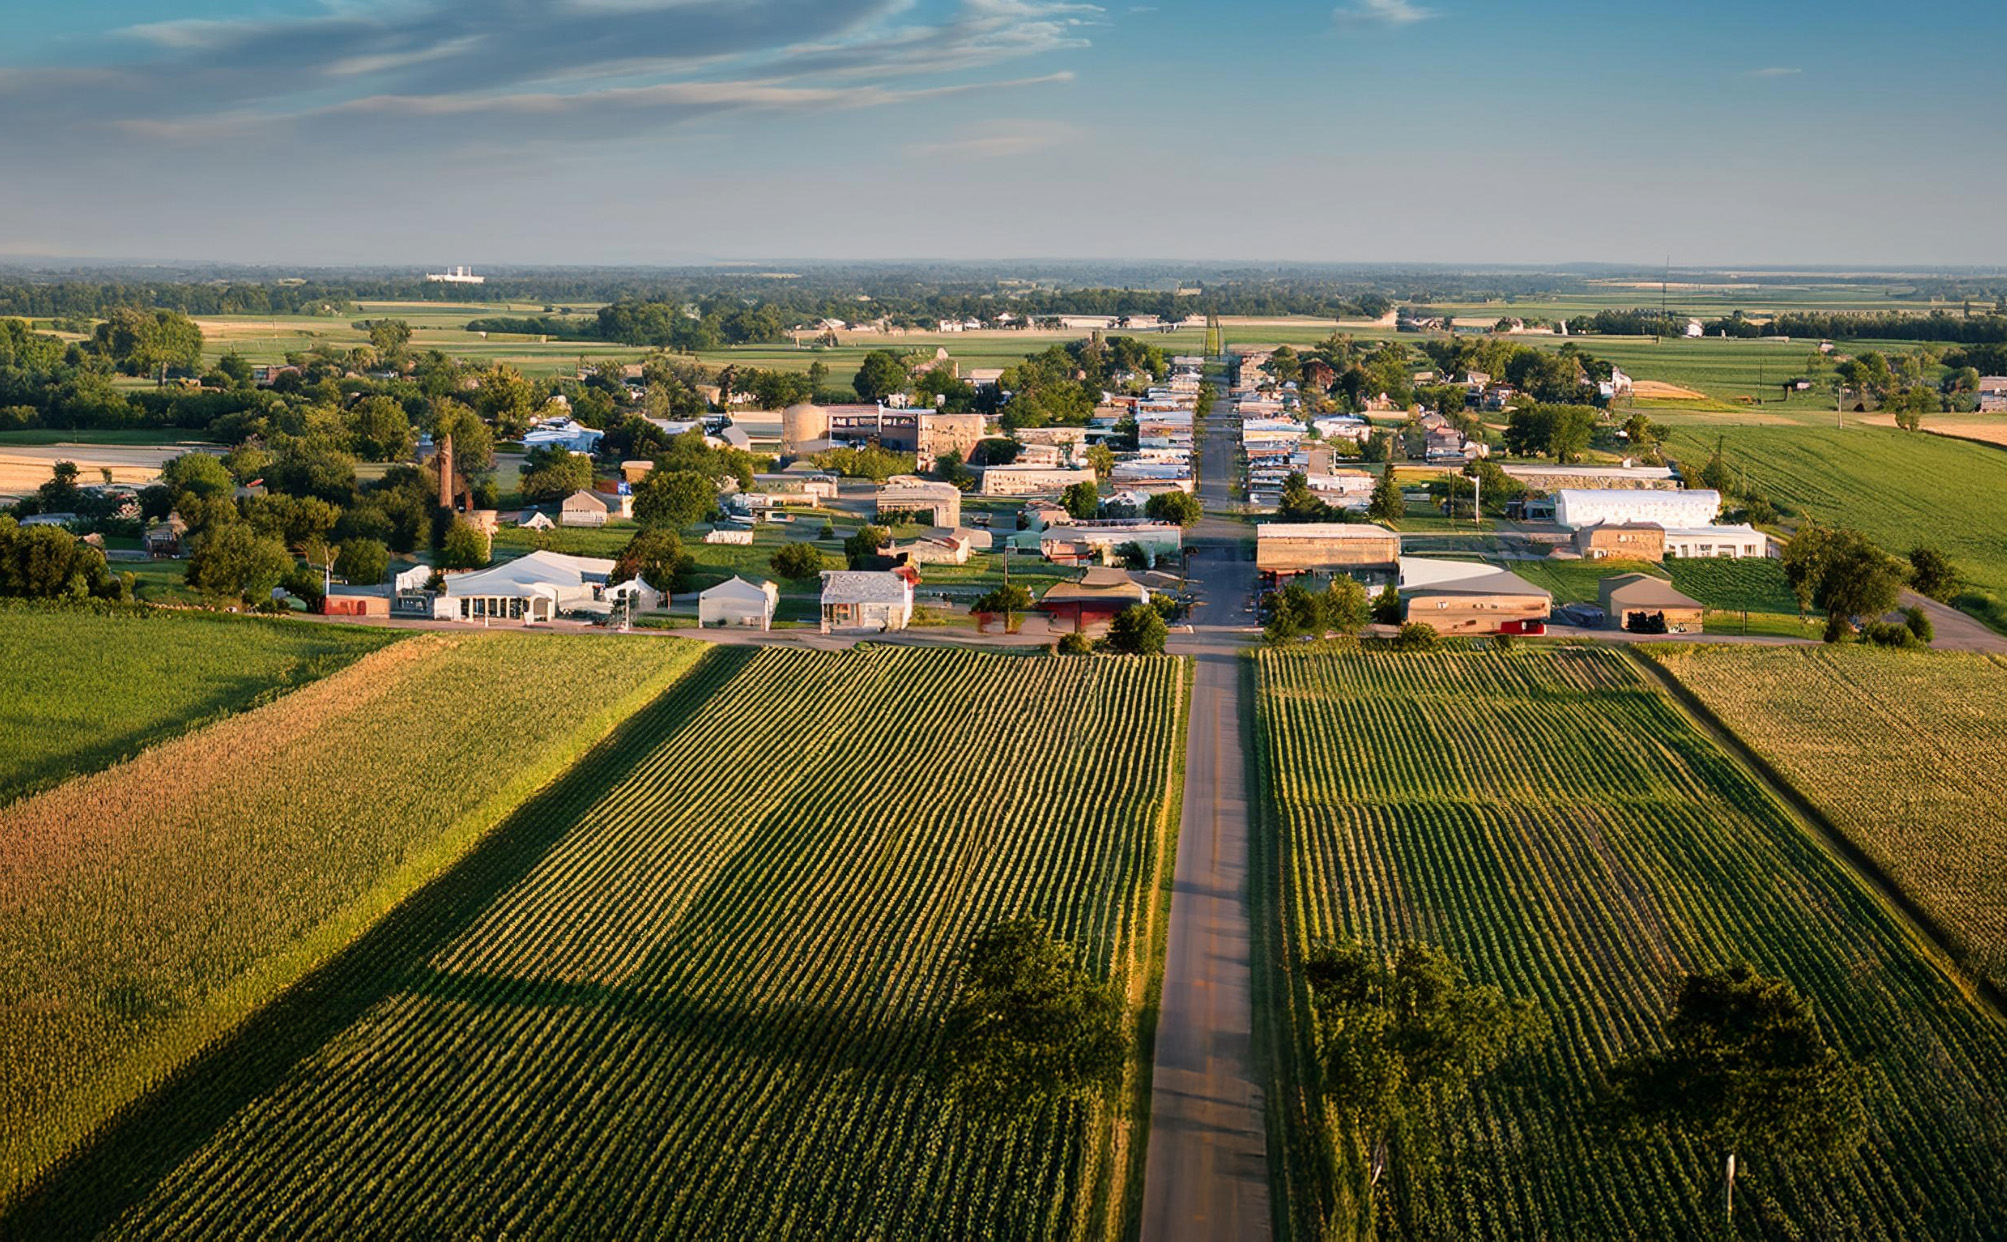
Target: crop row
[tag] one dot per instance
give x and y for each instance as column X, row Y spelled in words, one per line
column 702, row 997
column 1896, row 749
column 1551, row 819
column 148, row 908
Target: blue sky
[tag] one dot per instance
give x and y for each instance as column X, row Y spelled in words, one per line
column 616, row 131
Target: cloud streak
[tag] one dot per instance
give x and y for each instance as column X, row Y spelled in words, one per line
column 1388, row 14
column 635, row 62
column 1775, row 71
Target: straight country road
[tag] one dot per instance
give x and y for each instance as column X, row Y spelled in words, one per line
column 1206, row 1175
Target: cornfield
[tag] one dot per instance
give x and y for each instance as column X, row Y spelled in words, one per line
column 694, row 989
column 1554, row 821
column 1899, row 751
column 83, row 688
column 146, row 909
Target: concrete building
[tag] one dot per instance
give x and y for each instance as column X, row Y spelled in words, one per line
column 1547, row 478
column 562, row 433
column 863, row 599
column 1284, row 549
column 922, row 432
column 942, row 502
column 1579, row 507
column 1643, row 604
column 1624, row 541
column 590, row 509
column 738, row 604
column 1096, row 543
column 1032, row 480
column 1719, row 541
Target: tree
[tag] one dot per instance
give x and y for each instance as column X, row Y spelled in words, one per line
column 880, row 375
column 1073, row 645
column 1102, row 458
column 473, row 441
column 1416, row 636
column 231, row 558
column 363, row 562
column 1568, row 436
column 1029, row 1026
column 1138, row 630
column 796, row 561
column 674, row 498
column 1180, row 507
column 864, row 545
column 1387, row 605
column 952, row 469
column 389, row 337
column 1387, row 504
column 379, row 430
column 1008, row 600
column 1745, row 1067
column 1931, row 573
column 48, row 562
column 1082, row 500
column 551, row 473
column 1401, row 1040
column 655, row 555
column 1345, row 605
column 149, row 342
column 1298, row 503
column 462, row 546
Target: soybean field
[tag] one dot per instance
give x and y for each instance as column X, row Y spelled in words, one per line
column 148, row 909
column 81, row 688
column 695, row 988
column 1553, row 820
column 1894, row 749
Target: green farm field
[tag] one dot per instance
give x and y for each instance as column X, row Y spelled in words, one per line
column 1900, row 488
column 1885, row 745
column 1555, row 822
column 151, row 908
column 1727, row 588
column 695, row 989
column 82, row 689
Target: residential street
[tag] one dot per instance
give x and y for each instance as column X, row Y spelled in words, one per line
column 1207, row 1172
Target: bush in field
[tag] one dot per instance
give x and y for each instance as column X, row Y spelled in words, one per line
column 363, row 562
column 1138, row 630
column 1417, row 636
column 797, row 561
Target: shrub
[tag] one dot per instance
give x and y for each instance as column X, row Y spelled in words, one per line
column 1073, row 644
column 797, row 561
column 1919, row 624
column 1417, row 636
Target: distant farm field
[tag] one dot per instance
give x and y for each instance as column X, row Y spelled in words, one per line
column 147, row 909
column 1555, row 822
column 1902, row 489
column 1889, row 746
column 695, row 990
column 80, row 689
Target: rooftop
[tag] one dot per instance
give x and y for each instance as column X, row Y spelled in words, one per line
column 862, row 586
column 1322, row 530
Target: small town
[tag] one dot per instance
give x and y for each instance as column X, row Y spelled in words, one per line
column 693, row 619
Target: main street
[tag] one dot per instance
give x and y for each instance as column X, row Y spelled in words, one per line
column 1207, row 1170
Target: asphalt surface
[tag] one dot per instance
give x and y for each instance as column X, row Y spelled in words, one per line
column 1207, row 1170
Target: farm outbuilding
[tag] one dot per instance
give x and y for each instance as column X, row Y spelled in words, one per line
column 1624, row 541
column 1643, row 604
column 536, row 587
column 1093, row 601
column 738, row 604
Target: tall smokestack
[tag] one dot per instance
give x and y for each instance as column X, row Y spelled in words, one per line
column 446, row 473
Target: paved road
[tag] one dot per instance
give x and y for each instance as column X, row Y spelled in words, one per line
column 1954, row 630
column 1207, row 1171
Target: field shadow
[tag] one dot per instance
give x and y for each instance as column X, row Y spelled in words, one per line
column 85, row 1193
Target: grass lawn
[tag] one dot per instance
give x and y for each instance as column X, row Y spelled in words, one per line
column 80, row 690
column 1728, row 588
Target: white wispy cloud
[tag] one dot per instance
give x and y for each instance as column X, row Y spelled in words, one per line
column 1389, row 13
column 1775, row 71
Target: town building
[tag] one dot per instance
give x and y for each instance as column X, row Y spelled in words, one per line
column 1032, row 480
column 1284, row 549
column 1625, row 541
column 1579, row 507
column 1466, row 597
column 592, row 509
column 941, row 502
column 536, row 587
column 1685, row 542
column 864, row 599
